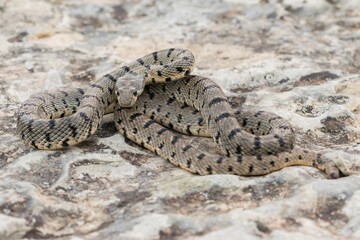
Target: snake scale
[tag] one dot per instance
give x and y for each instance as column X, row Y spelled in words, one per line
column 155, row 101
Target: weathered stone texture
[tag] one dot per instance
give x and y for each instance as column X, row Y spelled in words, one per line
column 299, row 59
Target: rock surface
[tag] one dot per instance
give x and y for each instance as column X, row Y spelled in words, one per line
column 299, row 59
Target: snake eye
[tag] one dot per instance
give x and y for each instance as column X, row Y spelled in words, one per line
column 135, row 94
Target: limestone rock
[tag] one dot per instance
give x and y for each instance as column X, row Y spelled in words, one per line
column 298, row 59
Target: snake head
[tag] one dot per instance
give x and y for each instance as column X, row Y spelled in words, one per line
column 128, row 88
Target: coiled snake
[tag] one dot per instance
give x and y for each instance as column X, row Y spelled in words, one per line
column 252, row 142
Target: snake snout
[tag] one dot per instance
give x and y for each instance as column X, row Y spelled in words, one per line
column 128, row 88
column 127, row 97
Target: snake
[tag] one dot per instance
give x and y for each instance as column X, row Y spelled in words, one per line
column 157, row 102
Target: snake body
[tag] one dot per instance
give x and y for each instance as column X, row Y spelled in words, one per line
column 252, row 142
